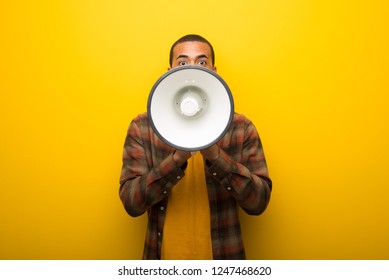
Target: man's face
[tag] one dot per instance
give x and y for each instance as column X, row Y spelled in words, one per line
column 192, row 53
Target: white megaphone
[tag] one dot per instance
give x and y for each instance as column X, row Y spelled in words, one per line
column 190, row 108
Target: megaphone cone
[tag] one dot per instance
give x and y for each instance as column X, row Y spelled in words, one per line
column 190, row 108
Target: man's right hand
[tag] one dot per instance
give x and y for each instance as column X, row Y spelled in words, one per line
column 180, row 157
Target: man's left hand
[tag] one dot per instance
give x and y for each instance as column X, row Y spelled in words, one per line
column 211, row 153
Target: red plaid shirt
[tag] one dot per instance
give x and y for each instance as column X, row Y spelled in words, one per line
column 238, row 177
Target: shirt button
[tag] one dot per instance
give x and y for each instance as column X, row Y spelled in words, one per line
column 162, row 208
column 228, row 188
column 178, row 177
column 165, row 192
column 159, row 233
column 214, row 173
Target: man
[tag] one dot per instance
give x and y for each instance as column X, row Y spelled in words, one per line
column 192, row 200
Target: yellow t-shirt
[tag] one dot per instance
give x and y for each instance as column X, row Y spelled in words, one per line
column 187, row 228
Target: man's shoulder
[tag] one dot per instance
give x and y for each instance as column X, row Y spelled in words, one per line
column 140, row 121
column 141, row 116
column 240, row 118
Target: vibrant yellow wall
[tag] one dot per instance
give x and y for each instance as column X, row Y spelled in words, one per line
column 312, row 75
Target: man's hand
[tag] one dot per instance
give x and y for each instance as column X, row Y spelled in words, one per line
column 211, row 153
column 180, row 157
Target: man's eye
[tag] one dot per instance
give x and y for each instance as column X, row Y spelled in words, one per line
column 202, row 62
column 182, row 63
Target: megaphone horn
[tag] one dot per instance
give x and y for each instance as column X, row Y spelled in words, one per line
column 190, row 108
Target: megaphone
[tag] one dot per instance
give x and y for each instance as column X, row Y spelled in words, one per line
column 190, row 108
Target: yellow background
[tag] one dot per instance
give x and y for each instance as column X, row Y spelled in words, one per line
column 312, row 76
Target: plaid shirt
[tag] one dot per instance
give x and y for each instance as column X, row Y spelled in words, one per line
column 238, row 177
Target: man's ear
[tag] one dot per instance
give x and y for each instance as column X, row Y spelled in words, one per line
column 214, row 69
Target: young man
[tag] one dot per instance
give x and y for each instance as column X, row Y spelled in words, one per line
column 192, row 200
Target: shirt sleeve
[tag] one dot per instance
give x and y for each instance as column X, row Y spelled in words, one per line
column 246, row 179
column 142, row 182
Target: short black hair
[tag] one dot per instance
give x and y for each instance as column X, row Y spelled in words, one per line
column 191, row 38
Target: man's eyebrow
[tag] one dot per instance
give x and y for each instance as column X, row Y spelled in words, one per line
column 201, row 56
column 182, row 56
column 186, row 56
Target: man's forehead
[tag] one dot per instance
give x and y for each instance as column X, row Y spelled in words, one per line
column 192, row 46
